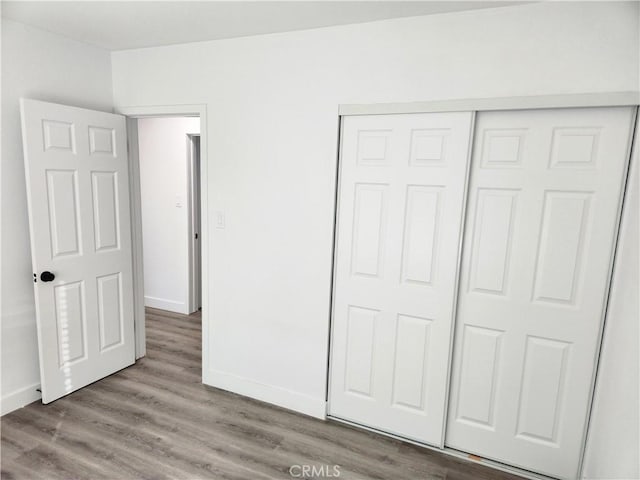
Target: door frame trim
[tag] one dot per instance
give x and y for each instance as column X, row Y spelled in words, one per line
column 133, row 113
column 580, row 100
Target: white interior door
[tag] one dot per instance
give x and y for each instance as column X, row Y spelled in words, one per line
column 78, row 193
column 544, row 202
column 402, row 182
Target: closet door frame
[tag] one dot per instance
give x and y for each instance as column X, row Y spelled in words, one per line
column 475, row 106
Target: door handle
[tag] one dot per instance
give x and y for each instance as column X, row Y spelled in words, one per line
column 47, row 276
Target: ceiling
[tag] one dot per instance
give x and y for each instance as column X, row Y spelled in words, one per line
column 120, row 25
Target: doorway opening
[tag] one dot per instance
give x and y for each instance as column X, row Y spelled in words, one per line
column 165, row 152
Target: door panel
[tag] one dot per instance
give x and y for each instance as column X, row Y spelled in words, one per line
column 479, row 376
column 64, row 218
column 78, row 192
column 110, row 310
column 544, row 199
column 543, row 378
column 368, row 227
column 420, row 234
column 492, row 240
column 70, row 307
column 361, row 336
column 410, row 373
column 401, row 195
column 105, row 210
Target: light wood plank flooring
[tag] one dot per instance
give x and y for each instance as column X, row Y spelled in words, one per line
column 156, row 420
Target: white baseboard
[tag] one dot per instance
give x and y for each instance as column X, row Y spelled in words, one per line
column 164, row 304
column 298, row 402
column 19, row 398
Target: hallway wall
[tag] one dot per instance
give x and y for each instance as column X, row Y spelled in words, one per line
column 164, row 185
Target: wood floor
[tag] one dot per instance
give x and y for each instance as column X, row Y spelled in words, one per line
column 156, row 420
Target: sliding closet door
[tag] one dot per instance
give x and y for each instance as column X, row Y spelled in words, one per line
column 544, row 201
column 402, row 182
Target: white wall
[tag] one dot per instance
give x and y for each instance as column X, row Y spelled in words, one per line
column 613, row 444
column 272, row 106
column 164, row 183
column 47, row 67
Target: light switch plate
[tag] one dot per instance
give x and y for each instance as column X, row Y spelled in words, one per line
column 220, row 219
